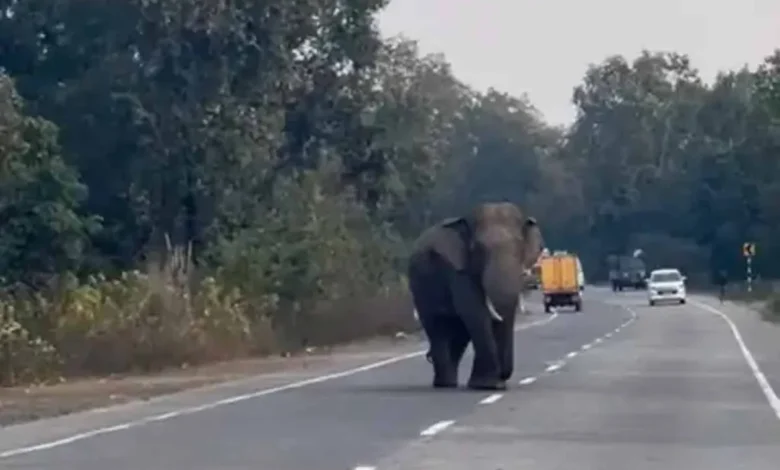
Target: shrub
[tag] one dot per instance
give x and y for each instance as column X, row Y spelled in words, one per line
column 313, row 261
column 771, row 309
column 24, row 357
column 135, row 322
column 280, row 289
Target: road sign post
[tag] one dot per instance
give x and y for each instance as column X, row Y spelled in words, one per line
column 749, row 251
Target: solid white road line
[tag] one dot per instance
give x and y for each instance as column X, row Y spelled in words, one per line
column 763, row 383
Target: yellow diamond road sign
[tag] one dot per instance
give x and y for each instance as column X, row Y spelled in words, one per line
column 748, row 249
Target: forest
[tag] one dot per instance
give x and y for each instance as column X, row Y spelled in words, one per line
column 190, row 180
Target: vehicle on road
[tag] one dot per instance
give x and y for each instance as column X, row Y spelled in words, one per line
column 560, row 284
column 666, row 285
column 534, row 279
column 626, row 271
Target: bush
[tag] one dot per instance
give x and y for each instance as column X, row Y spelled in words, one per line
column 317, row 272
column 317, row 261
column 136, row 322
column 771, row 310
column 24, row 357
column 145, row 322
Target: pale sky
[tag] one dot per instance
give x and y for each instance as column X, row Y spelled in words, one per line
column 543, row 47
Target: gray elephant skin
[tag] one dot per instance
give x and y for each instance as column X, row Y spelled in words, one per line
column 466, row 275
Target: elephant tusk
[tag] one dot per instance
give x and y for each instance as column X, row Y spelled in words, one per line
column 492, row 310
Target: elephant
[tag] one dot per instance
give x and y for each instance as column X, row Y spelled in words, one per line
column 466, row 276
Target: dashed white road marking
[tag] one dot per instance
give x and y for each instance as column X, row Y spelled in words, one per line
column 364, row 467
column 436, row 428
column 763, row 383
column 491, row 399
column 552, row 367
column 527, row 381
column 233, row 399
column 560, row 364
column 555, row 367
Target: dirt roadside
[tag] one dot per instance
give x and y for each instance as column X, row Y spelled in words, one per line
column 20, row 404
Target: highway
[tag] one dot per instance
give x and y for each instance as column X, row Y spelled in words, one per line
column 620, row 385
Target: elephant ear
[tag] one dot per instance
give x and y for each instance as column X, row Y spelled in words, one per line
column 533, row 242
column 452, row 241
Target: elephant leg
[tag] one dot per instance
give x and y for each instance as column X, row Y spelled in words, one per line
column 459, row 340
column 505, row 341
column 430, row 295
column 445, row 370
column 449, row 340
column 469, row 303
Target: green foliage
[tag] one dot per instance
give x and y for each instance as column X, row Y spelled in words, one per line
column 42, row 232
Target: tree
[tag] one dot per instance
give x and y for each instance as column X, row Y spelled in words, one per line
column 43, row 232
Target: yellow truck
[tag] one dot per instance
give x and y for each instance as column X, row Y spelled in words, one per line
column 560, row 281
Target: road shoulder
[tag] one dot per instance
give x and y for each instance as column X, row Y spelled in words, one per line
column 32, row 403
column 761, row 337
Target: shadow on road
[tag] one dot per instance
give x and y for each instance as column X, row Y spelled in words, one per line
column 416, row 388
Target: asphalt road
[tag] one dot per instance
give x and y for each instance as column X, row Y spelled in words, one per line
column 672, row 391
column 667, row 387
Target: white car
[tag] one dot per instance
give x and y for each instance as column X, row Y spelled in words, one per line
column 666, row 284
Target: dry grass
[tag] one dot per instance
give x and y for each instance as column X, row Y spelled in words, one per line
column 168, row 316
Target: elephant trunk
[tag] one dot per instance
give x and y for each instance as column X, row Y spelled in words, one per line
column 502, row 282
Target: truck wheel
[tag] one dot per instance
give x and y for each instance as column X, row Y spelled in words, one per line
column 546, row 308
column 578, row 307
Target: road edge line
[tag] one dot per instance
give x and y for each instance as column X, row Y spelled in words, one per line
column 758, row 374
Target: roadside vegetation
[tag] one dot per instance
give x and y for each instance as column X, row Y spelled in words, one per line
column 185, row 181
